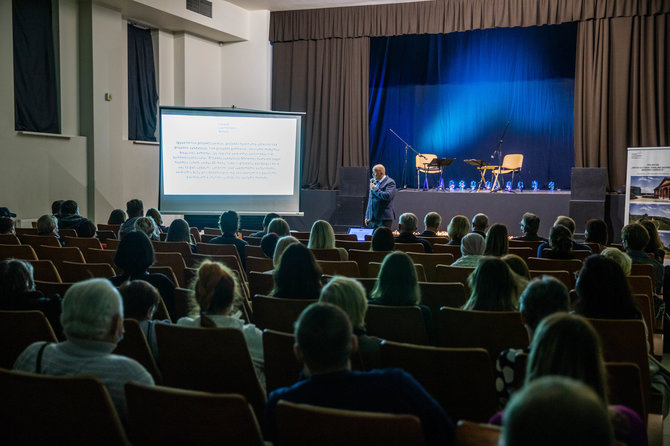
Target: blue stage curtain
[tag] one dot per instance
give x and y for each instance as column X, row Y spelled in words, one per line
column 452, row 95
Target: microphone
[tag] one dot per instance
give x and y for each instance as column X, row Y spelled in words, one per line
column 494, row 154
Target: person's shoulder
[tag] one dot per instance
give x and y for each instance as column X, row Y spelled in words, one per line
column 158, row 279
column 128, row 367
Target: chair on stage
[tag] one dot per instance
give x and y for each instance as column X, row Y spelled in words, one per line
column 511, row 164
column 423, row 166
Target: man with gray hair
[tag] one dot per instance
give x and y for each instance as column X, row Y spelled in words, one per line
column 380, row 200
column 92, row 320
column 407, row 224
column 480, row 223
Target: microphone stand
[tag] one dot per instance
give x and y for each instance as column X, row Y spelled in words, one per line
column 404, row 168
column 499, row 151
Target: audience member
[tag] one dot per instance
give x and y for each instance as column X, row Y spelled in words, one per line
column 530, row 224
column 47, row 225
column 5, row 212
column 279, row 226
column 497, row 243
column 158, row 219
column 595, row 231
column 116, row 217
column 269, row 243
column 282, row 243
column 619, row 257
column 218, row 293
column 655, row 246
column 135, row 210
column 324, row 342
column 297, row 276
column 493, row 287
column 140, row 300
column 407, row 224
column 147, row 226
column 431, row 222
column 93, row 323
column 134, row 256
column 55, row 208
column 69, row 216
column 472, row 249
column 518, row 266
column 86, row 229
column 570, row 224
column 635, row 239
column 6, row 226
column 349, row 295
column 458, row 227
column 266, row 222
column 180, row 231
column 322, row 236
column 382, row 239
column 560, row 244
column 480, row 222
column 229, row 223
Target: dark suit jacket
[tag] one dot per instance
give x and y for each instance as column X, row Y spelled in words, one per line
column 408, row 237
column 380, row 202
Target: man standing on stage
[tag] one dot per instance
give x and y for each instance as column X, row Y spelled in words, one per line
column 380, row 202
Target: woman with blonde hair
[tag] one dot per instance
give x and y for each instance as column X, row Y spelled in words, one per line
column 620, row 257
column 458, row 227
column 283, row 243
column 147, row 226
column 322, row 236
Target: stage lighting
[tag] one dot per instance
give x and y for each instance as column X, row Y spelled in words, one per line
column 519, row 186
column 473, row 185
column 461, row 185
column 452, row 185
column 552, row 186
column 534, row 185
column 488, row 185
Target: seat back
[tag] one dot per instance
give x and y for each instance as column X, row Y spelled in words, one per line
column 134, row 345
column 304, row 425
column 218, row 250
column 512, row 161
column 175, row 261
column 195, row 234
column 259, row 264
column 459, row 274
column 525, row 244
column 231, row 261
column 422, row 160
column 9, row 239
column 363, row 258
column 52, row 288
column 282, row 368
column 277, row 313
column 563, row 276
column 186, row 417
column 326, row 254
column 353, row 244
column 436, row 295
column 112, row 243
column 625, row 386
column 642, row 269
column 40, row 240
column 82, row 242
column 260, row 283
column 476, row 434
column 59, row 255
column 430, row 261
column 21, row 252
column 212, row 231
column 183, row 248
column 409, row 247
column 400, row 324
column 45, row 270
column 101, row 256
column 569, row 265
column 645, row 305
column 454, row 250
column 641, row 285
column 254, row 251
column 374, row 267
column 184, row 302
column 88, row 413
column 19, row 329
column 521, row 251
column 104, row 227
column 75, row 272
column 347, row 268
column 213, row 360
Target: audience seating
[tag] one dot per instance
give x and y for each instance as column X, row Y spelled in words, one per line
column 159, row 416
column 212, row 231
column 277, row 313
column 218, row 250
column 525, row 244
column 114, row 228
column 563, row 276
column 455, row 250
column 430, row 261
column 476, row 434
column 301, row 235
column 183, row 248
column 195, row 233
column 82, row 242
column 184, row 302
column 460, row 379
column 522, row 251
column 259, row 264
column 75, row 272
column 348, row 268
column 112, row 243
column 436, row 295
column 68, row 232
column 363, row 258
column 36, row 411
column 595, row 247
column 260, row 283
column 409, row 247
column 40, row 240
column 437, row 240
column 353, row 244
column 9, row 239
column 134, row 345
column 305, row 425
column 209, row 359
column 641, row 285
column 167, row 272
column 572, row 266
column 326, row 254
column 103, row 236
column 625, row 386
column 45, row 270
column 346, row 237
column 459, row 274
column 59, row 255
column 254, row 251
column 101, row 256
column 253, row 241
column 20, row 232
column 655, row 340
column 175, row 261
column 374, row 267
column 231, row 261
column 494, row 331
column 642, row 269
column 52, row 288
column 282, row 368
column 21, row 252
column 19, row 329
column 400, row 324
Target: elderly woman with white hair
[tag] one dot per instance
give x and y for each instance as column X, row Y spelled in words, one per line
column 92, row 320
column 472, row 249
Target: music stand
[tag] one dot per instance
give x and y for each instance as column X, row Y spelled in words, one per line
column 482, row 167
column 441, row 163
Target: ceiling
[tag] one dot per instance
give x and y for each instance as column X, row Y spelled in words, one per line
column 285, row 5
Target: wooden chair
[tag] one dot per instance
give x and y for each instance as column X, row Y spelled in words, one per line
column 436, row 295
column 186, row 417
column 400, row 324
column 167, row 272
column 563, row 276
column 326, row 254
column 254, row 251
column 523, row 252
column 282, row 368
column 642, row 269
column 430, row 261
column 195, row 233
column 346, row 237
column 349, row 244
column 52, row 288
column 112, row 243
column 231, row 261
column 253, row 241
column 183, row 248
column 474, row 329
column 570, row 265
column 374, row 267
column 72, row 410
column 68, row 232
column 212, row 231
column 347, row 268
column 75, row 272
column 277, row 313
column 259, row 264
column 209, row 359
column 59, row 255
column 460, row 379
column 175, row 261
column 437, row 240
column 45, row 271
column 409, row 247
column 641, row 285
column 19, row 329
column 363, row 258
column 301, row 235
column 104, row 236
column 184, row 302
column 260, row 283
column 21, row 252
column 9, row 239
column 83, row 243
column 218, row 250
column 525, row 244
column 40, row 240
column 134, row 345
column 454, row 250
column 459, row 274
column 655, row 340
column 114, row 228
column 101, row 256
column 304, row 425
column 476, row 434
column 625, row 386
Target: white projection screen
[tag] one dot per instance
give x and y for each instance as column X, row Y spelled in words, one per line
column 213, row 160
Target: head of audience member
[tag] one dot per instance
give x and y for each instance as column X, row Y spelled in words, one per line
column 349, row 295
column 480, row 222
column 493, row 286
column 86, row 229
column 5, row 212
column 530, row 224
column 407, row 223
column 229, row 222
column 497, row 243
column 567, row 222
column 69, row 207
column 473, row 244
column 655, row 242
column 603, row 292
column 281, row 245
column 556, row 411
column 135, row 208
column 518, row 265
column 560, row 239
column 55, row 207
column 397, row 283
column 140, row 299
column 116, row 217
column 324, row 339
column 267, row 219
column 47, row 225
column 135, row 253
column 279, row 226
column 216, row 288
column 147, row 226
column 634, row 237
column 93, row 310
column 378, row 172
column 156, row 215
column 432, row 221
column 16, row 278
column 458, row 227
column 269, row 243
column 179, row 231
column 620, row 257
column 6, row 225
column 596, row 231
column 543, row 296
column 382, row 239
column 321, row 236
column 297, row 276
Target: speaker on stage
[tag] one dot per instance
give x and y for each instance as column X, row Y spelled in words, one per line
column 354, row 181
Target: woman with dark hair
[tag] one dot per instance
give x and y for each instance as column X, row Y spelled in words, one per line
column 116, row 217
column 180, row 231
column 655, row 246
column 494, row 287
column 382, row 239
column 596, row 232
column 560, row 244
column 297, row 276
column 158, row 219
column 140, row 300
column 497, row 243
column 134, row 256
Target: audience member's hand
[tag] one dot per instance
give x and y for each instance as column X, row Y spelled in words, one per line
column 373, row 186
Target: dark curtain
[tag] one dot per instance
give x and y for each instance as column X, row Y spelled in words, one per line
column 452, row 95
column 35, row 87
column 326, row 79
column 142, row 92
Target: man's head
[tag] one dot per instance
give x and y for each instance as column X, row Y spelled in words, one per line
column 480, row 222
column 530, row 223
column 135, row 208
column 378, row 172
column 567, row 222
column 432, row 221
column 268, row 218
column 69, row 207
column 47, row 225
column 542, row 297
column 55, row 207
column 634, row 237
column 229, row 222
column 324, row 339
column 555, row 410
column 407, row 222
column 93, row 310
column 6, row 225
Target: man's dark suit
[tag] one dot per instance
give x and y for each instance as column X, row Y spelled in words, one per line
column 380, row 203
